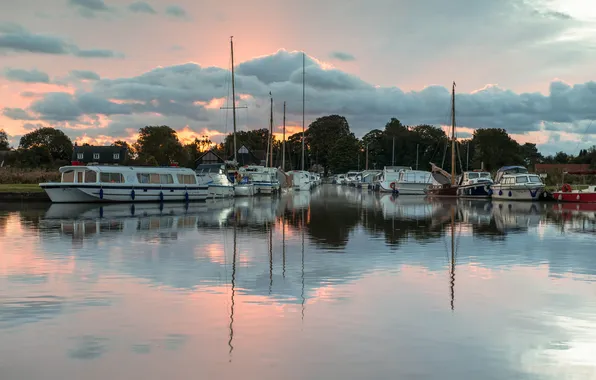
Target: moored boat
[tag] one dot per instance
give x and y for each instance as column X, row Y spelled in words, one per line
column 125, row 184
column 568, row 194
column 214, row 176
column 475, row 184
column 300, row 180
column 404, row 180
column 263, row 178
column 516, row 183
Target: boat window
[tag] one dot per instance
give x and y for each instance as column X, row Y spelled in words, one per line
column 80, row 177
column 143, row 177
column 484, row 175
column 166, row 178
column 535, row 178
column 521, row 179
column 68, row 176
column 474, row 175
column 111, row 177
column 154, row 178
column 90, row 176
column 187, row 179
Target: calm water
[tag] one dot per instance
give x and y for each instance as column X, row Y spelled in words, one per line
column 335, row 284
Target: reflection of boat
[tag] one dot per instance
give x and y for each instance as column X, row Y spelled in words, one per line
column 515, row 216
column 516, row 183
column 119, row 210
column 125, row 184
column 413, row 208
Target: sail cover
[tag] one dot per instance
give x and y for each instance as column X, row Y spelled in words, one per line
column 440, row 175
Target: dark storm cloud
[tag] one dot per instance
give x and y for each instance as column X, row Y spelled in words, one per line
column 14, row 38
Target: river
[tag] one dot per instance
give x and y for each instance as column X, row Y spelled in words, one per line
column 337, row 283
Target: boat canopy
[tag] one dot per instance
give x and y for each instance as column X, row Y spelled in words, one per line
column 513, row 169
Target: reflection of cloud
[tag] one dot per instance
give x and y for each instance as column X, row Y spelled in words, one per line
column 88, row 347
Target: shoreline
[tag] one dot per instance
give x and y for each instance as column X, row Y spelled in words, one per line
column 22, row 193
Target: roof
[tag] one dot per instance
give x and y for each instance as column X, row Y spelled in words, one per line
column 212, row 151
column 128, row 169
column 564, row 167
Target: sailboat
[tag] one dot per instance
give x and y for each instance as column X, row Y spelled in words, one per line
column 447, row 186
column 301, row 178
column 242, row 185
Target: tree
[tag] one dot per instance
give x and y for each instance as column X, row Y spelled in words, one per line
column 54, row 140
column 255, row 140
column 159, row 144
column 4, row 145
column 343, row 155
column 322, row 136
column 495, row 148
column 530, row 155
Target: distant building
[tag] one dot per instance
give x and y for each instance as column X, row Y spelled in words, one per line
column 246, row 157
column 209, row 157
column 560, row 168
column 104, row 155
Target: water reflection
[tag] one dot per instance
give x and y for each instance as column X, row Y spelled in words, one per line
column 307, row 285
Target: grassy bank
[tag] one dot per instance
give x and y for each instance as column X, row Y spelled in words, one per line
column 31, row 176
column 19, row 188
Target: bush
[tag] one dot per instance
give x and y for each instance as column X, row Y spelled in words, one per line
column 28, row 176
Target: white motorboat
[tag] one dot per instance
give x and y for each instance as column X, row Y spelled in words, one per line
column 300, row 180
column 125, row 184
column 404, row 180
column 263, row 178
column 516, row 183
column 214, row 176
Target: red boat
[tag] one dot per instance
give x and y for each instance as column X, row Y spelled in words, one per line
column 568, row 194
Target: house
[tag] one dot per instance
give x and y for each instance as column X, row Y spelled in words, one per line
column 209, row 157
column 103, row 155
column 246, row 157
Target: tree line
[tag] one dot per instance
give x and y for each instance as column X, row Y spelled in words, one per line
column 330, row 146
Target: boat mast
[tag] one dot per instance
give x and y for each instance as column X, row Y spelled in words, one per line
column 233, row 99
column 271, row 133
column 283, row 147
column 453, row 135
column 303, row 101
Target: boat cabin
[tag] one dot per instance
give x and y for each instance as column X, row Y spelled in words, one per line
column 127, row 175
column 509, row 170
column 474, row 177
column 520, row 179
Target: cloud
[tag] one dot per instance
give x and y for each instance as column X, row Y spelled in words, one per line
column 89, row 8
column 14, row 38
column 176, row 11
column 84, row 75
column 17, row 114
column 141, row 7
column 342, row 56
column 189, row 94
column 26, row 76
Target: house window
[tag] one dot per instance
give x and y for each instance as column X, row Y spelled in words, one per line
column 80, row 156
column 96, row 156
column 116, row 156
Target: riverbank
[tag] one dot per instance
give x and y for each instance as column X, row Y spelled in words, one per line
column 22, row 193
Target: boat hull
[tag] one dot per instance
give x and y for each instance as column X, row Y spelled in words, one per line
column 442, row 191
column 474, row 191
column 404, row 188
column 575, row 196
column 529, row 193
column 245, row 190
column 266, row 188
column 77, row 193
column 221, row 191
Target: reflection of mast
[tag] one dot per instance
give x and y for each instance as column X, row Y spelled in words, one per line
column 233, row 293
column 283, row 245
column 270, row 258
column 452, row 267
column 302, row 294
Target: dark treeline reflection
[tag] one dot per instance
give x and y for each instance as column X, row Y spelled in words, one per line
column 330, row 216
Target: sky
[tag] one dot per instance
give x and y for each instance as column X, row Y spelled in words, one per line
column 101, row 69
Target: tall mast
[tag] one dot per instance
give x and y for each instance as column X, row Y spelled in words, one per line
column 453, row 135
column 271, row 133
column 283, row 147
column 303, row 101
column 233, row 99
